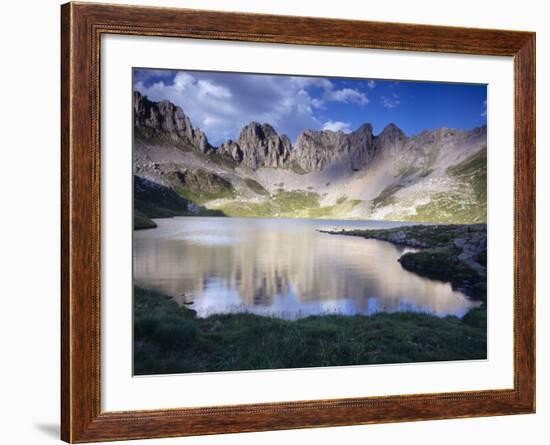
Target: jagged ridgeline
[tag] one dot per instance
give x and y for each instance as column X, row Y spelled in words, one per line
column 436, row 176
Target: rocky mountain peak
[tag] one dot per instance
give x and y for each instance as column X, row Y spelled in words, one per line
column 259, row 145
column 315, row 150
column 323, row 137
column 390, row 140
column 366, row 128
column 166, row 119
column 255, row 131
column 392, row 133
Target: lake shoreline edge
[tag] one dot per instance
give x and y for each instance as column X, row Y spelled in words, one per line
column 454, row 253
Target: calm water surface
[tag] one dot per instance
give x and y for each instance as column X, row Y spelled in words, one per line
column 283, row 268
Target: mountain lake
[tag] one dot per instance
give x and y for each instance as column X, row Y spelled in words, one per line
column 284, row 268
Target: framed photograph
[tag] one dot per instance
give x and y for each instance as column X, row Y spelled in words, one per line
column 274, row 222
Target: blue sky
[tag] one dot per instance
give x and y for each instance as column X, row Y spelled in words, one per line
column 220, row 103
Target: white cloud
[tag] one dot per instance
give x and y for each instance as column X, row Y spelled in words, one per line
column 317, row 103
column 181, row 81
column 337, row 126
column 484, row 112
column 390, row 101
column 207, row 88
column 371, row 84
column 346, row 95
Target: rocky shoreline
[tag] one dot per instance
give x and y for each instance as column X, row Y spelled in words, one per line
column 455, row 253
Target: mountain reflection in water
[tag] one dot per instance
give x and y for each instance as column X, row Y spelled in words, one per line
column 283, row 268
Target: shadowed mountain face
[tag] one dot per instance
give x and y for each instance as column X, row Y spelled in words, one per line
column 437, row 176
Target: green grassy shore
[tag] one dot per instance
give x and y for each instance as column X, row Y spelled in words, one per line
column 169, row 338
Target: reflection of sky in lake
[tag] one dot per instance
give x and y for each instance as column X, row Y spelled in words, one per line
column 283, row 268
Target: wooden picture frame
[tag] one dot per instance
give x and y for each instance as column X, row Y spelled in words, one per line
column 82, row 25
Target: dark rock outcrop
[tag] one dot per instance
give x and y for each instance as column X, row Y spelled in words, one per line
column 156, row 200
column 198, row 184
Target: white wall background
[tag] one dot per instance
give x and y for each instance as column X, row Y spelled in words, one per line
column 29, row 235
